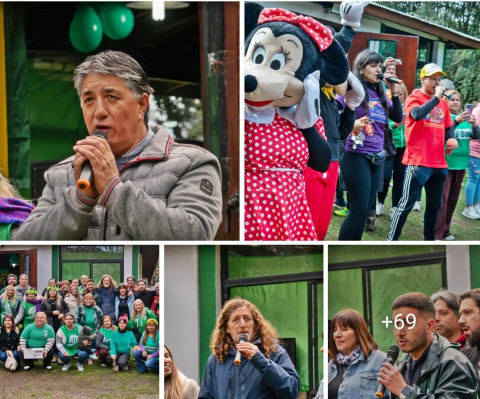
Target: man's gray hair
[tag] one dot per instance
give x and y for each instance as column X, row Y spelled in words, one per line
column 118, row 64
column 450, row 298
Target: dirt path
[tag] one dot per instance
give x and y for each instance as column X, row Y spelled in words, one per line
column 95, row 382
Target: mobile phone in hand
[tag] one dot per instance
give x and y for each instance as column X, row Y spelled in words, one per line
column 469, row 108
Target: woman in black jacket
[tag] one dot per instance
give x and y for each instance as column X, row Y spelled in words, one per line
column 9, row 339
column 55, row 308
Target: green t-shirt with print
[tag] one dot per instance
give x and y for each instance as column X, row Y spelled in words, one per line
column 37, row 337
column 458, row 159
column 152, row 345
column 107, row 334
column 71, row 338
column 29, row 315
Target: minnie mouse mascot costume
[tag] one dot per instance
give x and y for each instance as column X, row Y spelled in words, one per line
column 286, row 54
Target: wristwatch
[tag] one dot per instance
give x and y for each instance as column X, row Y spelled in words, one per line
column 405, row 392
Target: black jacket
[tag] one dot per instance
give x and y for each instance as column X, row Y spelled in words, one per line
column 9, row 341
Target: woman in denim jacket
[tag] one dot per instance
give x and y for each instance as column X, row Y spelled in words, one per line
column 355, row 359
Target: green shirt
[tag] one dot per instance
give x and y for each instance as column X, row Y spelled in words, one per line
column 89, row 318
column 458, row 160
column 107, row 334
column 71, row 344
column 29, row 315
column 122, row 342
column 37, row 337
column 141, row 321
column 151, row 346
column 8, row 307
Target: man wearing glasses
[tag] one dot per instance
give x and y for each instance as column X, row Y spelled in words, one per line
column 428, row 127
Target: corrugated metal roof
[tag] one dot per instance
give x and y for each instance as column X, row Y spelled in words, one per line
column 426, row 22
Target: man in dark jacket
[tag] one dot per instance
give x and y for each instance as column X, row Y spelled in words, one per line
column 265, row 370
column 146, row 296
column 470, row 323
column 433, row 367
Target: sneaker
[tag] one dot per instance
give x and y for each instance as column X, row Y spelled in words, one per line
column 343, row 212
column 125, row 368
column 55, row 358
column 339, row 206
column 115, row 368
column 477, row 208
column 27, row 368
column 104, row 365
column 49, row 368
column 371, row 219
column 93, row 356
column 80, row 367
column 449, row 238
column 66, row 367
column 59, row 361
column 392, row 211
column 417, row 206
column 89, row 362
column 379, row 209
column 470, row 213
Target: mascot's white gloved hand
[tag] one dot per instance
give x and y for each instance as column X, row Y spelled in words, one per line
column 355, row 92
column 308, row 109
column 351, row 12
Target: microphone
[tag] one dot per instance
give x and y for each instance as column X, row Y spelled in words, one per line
column 242, row 338
column 86, row 176
column 392, row 80
column 392, row 355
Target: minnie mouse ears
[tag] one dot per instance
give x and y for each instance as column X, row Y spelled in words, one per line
column 320, row 34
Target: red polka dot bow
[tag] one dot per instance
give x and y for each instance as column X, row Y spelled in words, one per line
column 319, row 33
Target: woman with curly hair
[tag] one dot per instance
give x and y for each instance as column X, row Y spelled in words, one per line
column 55, row 308
column 242, row 331
column 29, row 308
column 107, row 289
column 177, row 386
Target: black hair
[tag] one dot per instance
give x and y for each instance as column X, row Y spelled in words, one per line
column 364, row 58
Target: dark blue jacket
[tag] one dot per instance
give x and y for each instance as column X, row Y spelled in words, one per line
column 258, row 378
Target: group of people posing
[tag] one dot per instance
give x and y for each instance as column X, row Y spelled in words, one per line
column 106, row 322
column 439, row 335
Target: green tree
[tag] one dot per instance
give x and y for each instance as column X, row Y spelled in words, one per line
column 461, row 65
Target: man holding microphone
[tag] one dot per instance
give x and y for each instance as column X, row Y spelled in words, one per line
column 257, row 368
column 428, row 126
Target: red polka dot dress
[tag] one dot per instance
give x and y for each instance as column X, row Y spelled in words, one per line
column 275, row 204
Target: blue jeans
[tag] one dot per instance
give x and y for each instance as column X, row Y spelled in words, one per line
column 3, row 355
column 417, row 177
column 472, row 188
column 143, row 365
column 82, row 356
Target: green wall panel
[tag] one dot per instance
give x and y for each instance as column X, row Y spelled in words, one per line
column 260, row 266
column 475, row 266
column 207, row 300
column 267, row 298
column 340, row 253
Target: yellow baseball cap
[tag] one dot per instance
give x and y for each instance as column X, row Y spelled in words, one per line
column 430, row 69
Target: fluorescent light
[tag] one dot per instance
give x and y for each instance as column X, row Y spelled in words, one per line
column 158, row 10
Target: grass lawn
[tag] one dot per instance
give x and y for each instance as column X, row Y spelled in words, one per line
column 462, row 228
column 95, row 382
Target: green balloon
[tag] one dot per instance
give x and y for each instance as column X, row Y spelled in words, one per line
column 117, row 20
column 86, row 30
